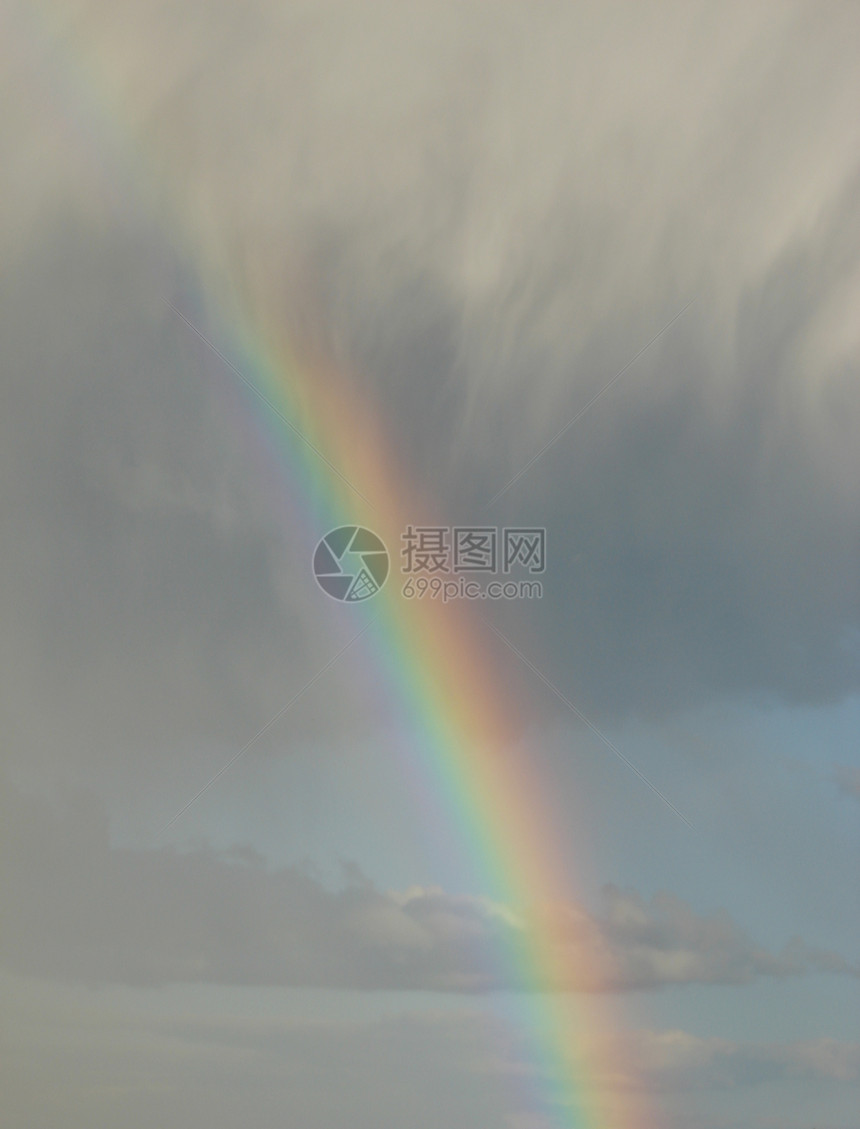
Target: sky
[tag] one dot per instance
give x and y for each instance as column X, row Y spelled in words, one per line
column 591, row 268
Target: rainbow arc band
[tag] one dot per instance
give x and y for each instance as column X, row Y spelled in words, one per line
column 455, row 719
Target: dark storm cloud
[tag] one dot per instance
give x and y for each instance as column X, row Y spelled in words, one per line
column 484, row 251
column 703, row 519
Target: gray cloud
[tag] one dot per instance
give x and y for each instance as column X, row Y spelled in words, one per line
column 156, row 594
column 666, row 1060
column 217, row 1070
column 678, row 1060
column 484, row 251
column 80, row 909
column 410, row 1067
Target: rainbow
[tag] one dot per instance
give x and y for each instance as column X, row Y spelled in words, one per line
column 457, row 719
column 459, row 729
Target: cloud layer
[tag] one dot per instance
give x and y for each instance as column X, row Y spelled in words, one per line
column 483, row 252
column 80, row 909
column 407, row 1067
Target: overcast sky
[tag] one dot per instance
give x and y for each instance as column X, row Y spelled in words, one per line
column 484, row 214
